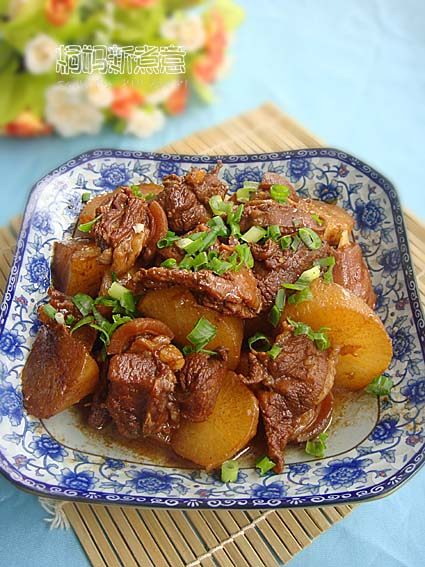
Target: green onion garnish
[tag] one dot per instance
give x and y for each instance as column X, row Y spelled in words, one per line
column 233, row 220
column 264, row 465
column 83, row 302
column 84, row 321
column 273, row 232
column 186, row 263
column 217, row 224
column 380, row 386
column 229, row 471
column 263, row 343
column 219, row 267
column 49, row 310
column 69, row 319
column 150, row 197
column 274, row 351
column 253, row 185
column 85, row 197
column 304, row 280
column 241, row 257
column 285, row 242
column 135, row 189
column 192, row 245
column 254, row 234
column 168, row 240
column 328, row 262
column 319, row 337
column 169, row 263
column 201, row 334
column 123, row 295
column 200, row 261
column 310, row 238
column 317, row 447
column 276, row 310
column 280, row 193
column 218, row 206
column 318, row 220
column 296, row 241
column 114, row 276
column 243, row 195
column 87, row 226
column 300, row 296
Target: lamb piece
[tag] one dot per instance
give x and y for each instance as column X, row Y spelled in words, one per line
column 288, row 216
column 233, row 293
column 287, row 387
column 274, row 266
column 351, row 272
column 59, row 372
column 125, row 227
column 141, row 398
column 75, row 267
column 200, row 383
column 185, row 198
column 63, row 304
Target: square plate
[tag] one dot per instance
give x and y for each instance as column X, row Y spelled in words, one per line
column 374, row 445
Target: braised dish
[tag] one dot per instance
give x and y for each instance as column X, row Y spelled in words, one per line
column 201, row 319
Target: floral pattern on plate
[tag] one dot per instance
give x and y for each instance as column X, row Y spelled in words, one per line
column 391, row 452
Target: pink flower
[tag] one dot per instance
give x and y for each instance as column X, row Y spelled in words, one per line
column 125, row 100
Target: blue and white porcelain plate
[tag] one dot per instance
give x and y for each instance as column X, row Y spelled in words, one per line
column 373, row 446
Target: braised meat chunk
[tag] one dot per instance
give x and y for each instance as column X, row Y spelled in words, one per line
column 351, row 272
column 185, row 198
column 233, row 293
column 288, row 216
column 141, row 397
column 200, row 382
column 290, row 385
column 275, row 266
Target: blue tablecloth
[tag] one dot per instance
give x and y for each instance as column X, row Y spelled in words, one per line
column 353, row 73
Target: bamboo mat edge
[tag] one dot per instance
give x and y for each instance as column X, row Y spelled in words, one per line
column 114, row 536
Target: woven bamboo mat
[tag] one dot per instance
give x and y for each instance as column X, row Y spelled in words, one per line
column 113, row 536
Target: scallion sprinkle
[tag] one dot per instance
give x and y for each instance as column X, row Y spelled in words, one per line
column 263, row 343
column 317, row 219
column 85, row 197
column 280, row 193
column 229, row 471
column 277, row 309
column 69, row 320
column 380, row 386
column 264, row 465
column 329, row 263
column 310, row 238
column 254, row 234
column 168, row 240
column 218, row 206
column 319, row 337
column 190, row 245
column 200, row 261
column 296, row 241
column 83, row 302
column 49, row 310
column 285, row 242
column 87, row 226
column 123, row 295
column 317, row 447
column 273, row 232
column 300, row 296
column 201, row 334
column 169, row 263
column 274, row 351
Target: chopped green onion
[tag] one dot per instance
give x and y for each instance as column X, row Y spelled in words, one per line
column 254, row 234
column 218, row 206
column 310, row 238
column 273, row 232
column 277, row 309
column 83, row 302
column 229, row 471
column 169, row 263
column 186, row 263
column 319, row 337
column 274, row 351
column 304, row 280
column 190, row 245
column 69, row 319
column 241, row 257
column 380, row 386
column 265, row 465
column 201, row 334
column 219, row 267
column 318, row 220
column 300, row 296
column 168, row 240
column 150, row 197
column 253, row 185
column 244, row 195
column 264, row 343
column 114, row 277
column 200, row 261
column 49, row 310
column 84, row 321
column 328, row 262
column 123, row 295
column 280, row 193
column 85, row 197
column 87, row 226
column 233, row 220
column 285, row 242
column 317, row 447
column 135, row 189
column 217, row 224
column 296, row 241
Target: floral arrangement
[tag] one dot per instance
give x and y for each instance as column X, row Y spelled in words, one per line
column 36, row 100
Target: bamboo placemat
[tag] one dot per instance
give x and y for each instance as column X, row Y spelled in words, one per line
column 130, row 537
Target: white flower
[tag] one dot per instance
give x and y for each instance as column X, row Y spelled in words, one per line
column 15, row 7
column 98, row 92
column 68, row 111
column 144, row 123
column 40, row 54
column 162, row 93
column 185, row 31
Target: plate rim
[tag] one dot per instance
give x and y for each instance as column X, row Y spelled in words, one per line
column 372, row 492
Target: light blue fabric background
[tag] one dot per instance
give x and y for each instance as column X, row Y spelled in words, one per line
column 353, row 72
